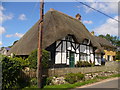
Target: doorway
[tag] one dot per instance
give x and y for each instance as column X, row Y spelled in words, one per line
column 72, row 59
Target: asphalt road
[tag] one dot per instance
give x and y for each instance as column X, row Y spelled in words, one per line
column 109, row 83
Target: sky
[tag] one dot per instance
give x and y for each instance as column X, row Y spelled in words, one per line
column 16, row 18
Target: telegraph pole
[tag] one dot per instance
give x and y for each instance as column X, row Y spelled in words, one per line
column 39, row 63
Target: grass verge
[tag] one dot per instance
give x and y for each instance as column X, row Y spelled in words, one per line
column 78, row 84
column 69, row 86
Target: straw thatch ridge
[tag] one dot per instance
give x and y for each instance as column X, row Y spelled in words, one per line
column 104, row 42
column 56, row 26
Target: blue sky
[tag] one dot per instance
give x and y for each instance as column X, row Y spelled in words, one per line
column 18, row 17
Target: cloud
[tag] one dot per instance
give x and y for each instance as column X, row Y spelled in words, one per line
column 1, row 43
column 109, row 27
column 87, row 22
column 18, row 35
column 2, row 30
column 4, row 17
column 14, row 35
column 22, row 17
column 8, row 36
column 106, row 7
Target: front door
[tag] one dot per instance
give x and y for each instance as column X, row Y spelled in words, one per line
column 72, row 59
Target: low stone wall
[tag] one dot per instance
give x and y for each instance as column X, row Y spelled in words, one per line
column 110, row 66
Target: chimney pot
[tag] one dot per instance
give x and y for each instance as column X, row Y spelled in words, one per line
column 93, row 33
column 78, row 17
column 51, row 9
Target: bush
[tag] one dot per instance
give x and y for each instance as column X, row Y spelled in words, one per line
column 117, row 57
column 10, row 71
column 33, row 59
column 84, row 64
column 72, row 77
column 49, row 80
column 11, row 68
column 80, row 76
column 33, row 82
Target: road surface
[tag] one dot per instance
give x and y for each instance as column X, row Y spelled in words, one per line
column 109, row 83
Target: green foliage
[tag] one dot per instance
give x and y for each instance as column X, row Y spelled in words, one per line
column 33, row 82
column 113, row 39
column 117, row 57
column 23, row 63
column 72, row 77
column 10, row 72
column 84, row 64
column 11, row 68
column 33, row 59
column 49, row 80
column 80, row 76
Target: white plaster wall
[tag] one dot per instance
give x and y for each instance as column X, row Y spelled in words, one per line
column 67, row 61
column 92, row 58
column 59, row 48
column 64, row 46
column 58, row 58
column 98, row 60
column 63, row 58
column 83, row 48
column 76, row 58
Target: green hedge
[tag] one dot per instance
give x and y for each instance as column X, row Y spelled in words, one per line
column 11, row 68
column 32, row 59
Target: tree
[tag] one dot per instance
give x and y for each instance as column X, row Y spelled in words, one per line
column 115, row 40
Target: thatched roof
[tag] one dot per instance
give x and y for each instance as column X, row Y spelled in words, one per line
column 104, row 42
column 56, row 26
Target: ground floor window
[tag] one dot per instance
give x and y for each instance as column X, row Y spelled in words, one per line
column 108, row 57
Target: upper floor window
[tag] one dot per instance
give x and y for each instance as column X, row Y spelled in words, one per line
column 69, row 38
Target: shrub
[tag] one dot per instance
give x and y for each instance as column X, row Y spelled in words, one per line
column 10, row 71
column 11, row 68
column 117, row 57
column 84, row 64
column 33, row 59
column 80, row 76
column 33, row 81
column 49, row 80
column 72, row 77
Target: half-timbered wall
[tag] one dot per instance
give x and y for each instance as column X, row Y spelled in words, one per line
column 83, row 52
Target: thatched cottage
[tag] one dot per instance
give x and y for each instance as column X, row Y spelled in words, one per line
column 109, row 49
column 65, row 37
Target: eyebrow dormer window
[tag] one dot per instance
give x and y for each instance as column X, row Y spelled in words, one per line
column 69, row 38
column 86, row 42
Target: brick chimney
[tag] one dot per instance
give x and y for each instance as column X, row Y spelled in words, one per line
column 78, row 17
column 93, row 33
column 51, row 9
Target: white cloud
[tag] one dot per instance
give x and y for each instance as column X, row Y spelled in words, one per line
column 8, row 36
column 1, row 43
column 22, row 17
column 106, row 7
column 18, row 35
column 109, row 27
column 4, row 17
column 2, row 30
column 14, row 35
column 87, row 22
